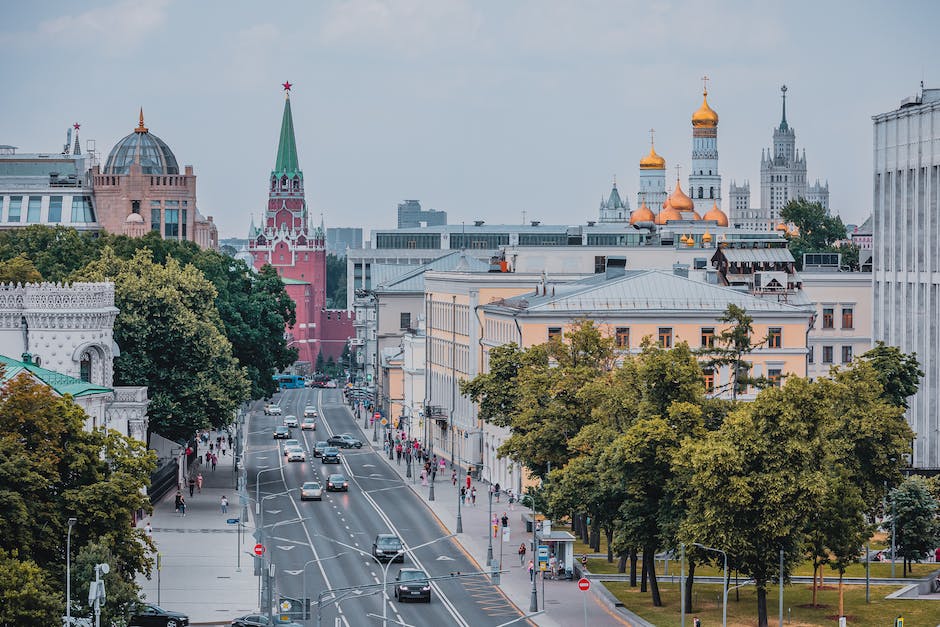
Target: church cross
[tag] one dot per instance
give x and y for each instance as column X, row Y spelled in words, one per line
column 705, row 80
column 652, row 132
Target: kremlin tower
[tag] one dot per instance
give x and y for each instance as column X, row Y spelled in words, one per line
column 285, row 241
column 704, row 180
column 652, row 178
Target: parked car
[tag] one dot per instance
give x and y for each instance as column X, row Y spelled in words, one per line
column 309, row 424
column 281, row 432
column 150, row 615
column 290, row 421
column 272, row 410
column 329, row 455
column 412, row 583
column 318, row 448
column 388, row 546
column 337, row 483
column 295, row 454
column 344, row 440
column 311, row 490
column 310, row 411
column 260, row 620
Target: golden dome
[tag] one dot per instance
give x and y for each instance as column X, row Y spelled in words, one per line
column 679, row 200
column 706, row 237
column 668, row 213
column 705, row 117
column 690, row 241
column 717, row 215
column 652, row 161
column 642, row 214
column 782, row 227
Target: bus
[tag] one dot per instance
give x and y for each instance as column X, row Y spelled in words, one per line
column 289, row 381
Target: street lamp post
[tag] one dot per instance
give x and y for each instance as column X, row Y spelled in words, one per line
column 534, row 596
column 68, row 572
column 267, row 580
column 459, row 517
column 303, row 588
column 724, row 582
column 489, row 519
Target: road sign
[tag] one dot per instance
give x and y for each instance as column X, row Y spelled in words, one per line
column 377, row 415
column 584, row 584
column 259, row 549
column 384, row 421
column 232, row 521
column 543, row 552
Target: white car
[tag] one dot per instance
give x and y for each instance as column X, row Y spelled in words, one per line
column 309, row 424
column 311, row 490
column 291, row 443
column 272, row 410
column 290, row 421
column 295, row 454
column 310, row 411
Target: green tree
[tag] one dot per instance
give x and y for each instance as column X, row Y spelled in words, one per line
column 845, row 526
column 496, row 392
column 914, row 520
column 56, row 251
column 899, row 373
column 335, row 282
column 731, row 347
column 817, row 232
column 172, row 340
column 122, row 592
column 19, row 269
column 27, row 596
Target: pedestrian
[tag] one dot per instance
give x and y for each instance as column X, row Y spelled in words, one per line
column 473, row 497
column 521, row 552
column 696, row 622
column 531, row 571
column 553, row 565
column 215, row 460
column 512, row 500
column 441, row 464
column 223, row 503
column 230, row 440
column 222, row 447
column 218, row 441
column 208, row 458
column 453, row 478
column 496, row 491
column 182, row 506
column 211, row 446
column 192, row 486
column 199, row 482
column 495, row 523
column 463, row 495
column 424, row 477
column 468, row 479
column 176, row 503
column 148, row 530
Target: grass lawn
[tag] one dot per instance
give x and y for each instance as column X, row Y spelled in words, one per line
column 878, row 569
column 706, row 603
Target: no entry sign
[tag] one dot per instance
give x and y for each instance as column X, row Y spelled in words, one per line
column 584, row 584
column 259, row 551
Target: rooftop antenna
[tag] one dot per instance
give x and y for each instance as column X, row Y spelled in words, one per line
column 523, row 216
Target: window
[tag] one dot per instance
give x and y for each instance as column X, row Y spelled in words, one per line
column 711, row 192
column 846, row 354
column 623, row 337
column 827, row 354
column 84, row 368
column 775, row 337
column 708, row 337
column 848, row 318
column 32, row 211
column 554, row 332
column 155, row 215
column 82, row 210
column 171, row 219
column 740, row 381
column 709, row 375
column 600, row 264
column 184, row 224
column 13, row 215
column 811, row 355
column 55, row 209
column 405, row 318
column 135, row 206
column 665, row 337
column 701, row 192
column 828, row 318
column 775, row 375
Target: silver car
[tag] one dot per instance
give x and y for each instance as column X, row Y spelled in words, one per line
column 290, row 421
column 295, row 454
column 311, row 490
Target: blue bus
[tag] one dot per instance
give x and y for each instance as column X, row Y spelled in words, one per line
column 289, row 381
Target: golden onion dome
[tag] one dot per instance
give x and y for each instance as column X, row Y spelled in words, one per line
column 782, row 227
column 690, row 241
column 706, row 237
column 679, row 200
column 717, row 215
column 705, row 117
column 642, row 214
column 668, row 214
column 652, row 161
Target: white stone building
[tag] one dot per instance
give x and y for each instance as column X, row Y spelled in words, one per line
column 906, row 248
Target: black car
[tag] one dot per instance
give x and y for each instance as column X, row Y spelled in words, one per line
column 329, row 455
column 260, row 620
column 150, row 615
column 411, row 583
column 388, row 546
column 337, row 483
column 344, row 440
column 318, row 448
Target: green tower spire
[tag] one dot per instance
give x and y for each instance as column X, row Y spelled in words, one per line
column 287, row 146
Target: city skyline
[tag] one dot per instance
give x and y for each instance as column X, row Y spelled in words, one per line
column 483, row 110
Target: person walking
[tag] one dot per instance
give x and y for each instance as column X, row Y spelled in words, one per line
column 463, row 495
column 424, row 477
column 215, row 460
column 521, row 552
column 512, row 500
column 531, row 570
column 496, row 491
column 469, row 480
column 182, row 506
column 148, row 530
column 473, row 496
column 222, row 447
column 199, row 483
column 696, row 622
column 223, row 503
column 192, row 485
column 453, row 478
column 177, row 501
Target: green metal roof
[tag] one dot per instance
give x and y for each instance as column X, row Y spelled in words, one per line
column 61, row 384
column 287, row 146
column 289, row 281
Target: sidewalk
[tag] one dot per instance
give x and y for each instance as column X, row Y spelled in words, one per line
column 562, row 601
column 199, row 574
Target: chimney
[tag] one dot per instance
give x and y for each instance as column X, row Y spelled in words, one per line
column 616, row 267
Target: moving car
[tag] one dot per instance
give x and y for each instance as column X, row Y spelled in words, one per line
column 290, row 421
column 412, row 583
column 337, row 483
column 330, row 384
column 272, row 410
column 295, row 454
column 329, row 455
column 150, row 615
column 290, row 443
column 260, row 620
column 388, row 546
column 311, row 490
column 309, row 424
column 310, row 411
column 318, row 448
column 281, row 432
column 344, row 440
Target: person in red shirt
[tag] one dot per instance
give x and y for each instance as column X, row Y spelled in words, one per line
column 468, row 480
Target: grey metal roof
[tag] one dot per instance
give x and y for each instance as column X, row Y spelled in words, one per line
column 642, row 290
column 413, row 280
column 383, row 273
column 757, row 255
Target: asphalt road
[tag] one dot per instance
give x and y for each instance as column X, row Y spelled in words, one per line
column 303, row 536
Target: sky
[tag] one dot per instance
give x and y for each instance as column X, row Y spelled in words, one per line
column 483, row 109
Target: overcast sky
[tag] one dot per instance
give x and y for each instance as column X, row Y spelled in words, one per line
column 482, row 109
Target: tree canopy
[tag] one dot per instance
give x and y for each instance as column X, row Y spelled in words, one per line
column 817, row 231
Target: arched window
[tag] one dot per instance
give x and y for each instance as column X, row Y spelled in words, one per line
column 296, row 184
column 85, row 367
column 701, row 192
column 711, row 192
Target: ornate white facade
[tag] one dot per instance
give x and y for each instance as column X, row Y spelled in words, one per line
column 69, row 329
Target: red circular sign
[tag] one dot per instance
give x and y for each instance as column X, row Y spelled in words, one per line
column 259, row 550
column 584, row 584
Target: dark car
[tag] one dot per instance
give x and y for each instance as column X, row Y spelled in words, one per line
column 411, row 583
column 318, row 448
column 337, row 483
column 281, row 432
column 150, row 615
column 260, row 620
column 329, row 455
column 388, row 546
column 344, row 440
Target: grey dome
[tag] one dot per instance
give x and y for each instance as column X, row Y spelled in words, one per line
column 143, row 147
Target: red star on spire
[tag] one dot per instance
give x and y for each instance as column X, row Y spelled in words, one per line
column 286, row 85
column 76, row 126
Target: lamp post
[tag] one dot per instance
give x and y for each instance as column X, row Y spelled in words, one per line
column 724, row 582
column 258, row 487
column 267, row 606
column 459, row 517
column 489, row 520
column 534, row 596
column 893, row 546
column 68, row 572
